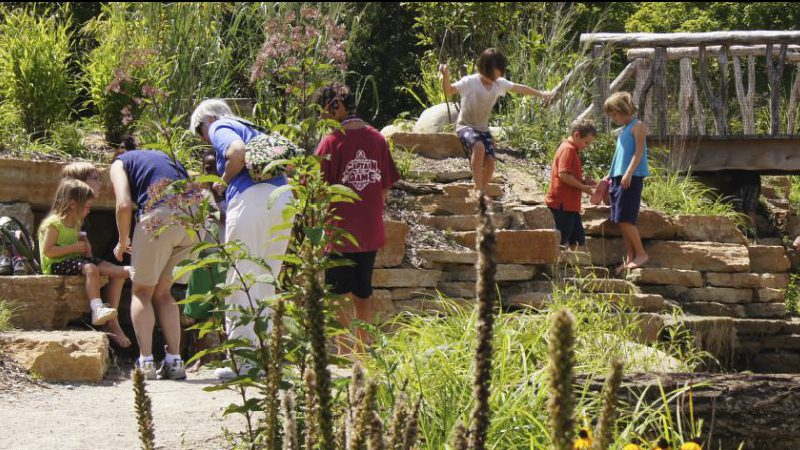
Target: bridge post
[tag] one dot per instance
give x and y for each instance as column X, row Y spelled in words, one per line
column 774, row 75
column 602, row 68
column 660, row 90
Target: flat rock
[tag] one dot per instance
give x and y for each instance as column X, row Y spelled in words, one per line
column 768, row 259
column 719, row 295
column 444, row 205
column 442, row 176
column 708, row 229
column 34, row 182
column 75, row 356
column 575, row 258
column 398, row 294
column 701, row 256
column 794, row 259
column 641, row 302
column 765, row 310
column 715, row 309
column 462, row 223
column 688, row 278
column 382, row 304
column 652, row 224
column 429, row 145
column 393, row 252
column 390, row 278
column 521, row 246
column 758, row 327
column 505, row 272
column 44, row 302
column 464, row 190
column 768, row 295
column 532, row 218
column 748, row 280
column 433, row 256
column 606, row 251
column 602, row 285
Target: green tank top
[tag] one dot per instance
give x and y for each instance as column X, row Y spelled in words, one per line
column 66, row 236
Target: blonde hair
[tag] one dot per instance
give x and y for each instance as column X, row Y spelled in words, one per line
column 79, row 171
column 69, row 190
column 620, row 102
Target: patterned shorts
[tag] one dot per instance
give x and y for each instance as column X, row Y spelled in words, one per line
column 74, row 266
column 470, row 136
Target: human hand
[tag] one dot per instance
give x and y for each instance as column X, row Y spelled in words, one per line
column 84, row 248
column 588, row 189
column 626, row 181
column 122, row 248
column 444, row 70
column 796, row 243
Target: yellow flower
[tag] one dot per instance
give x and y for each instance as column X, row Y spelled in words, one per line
column 632, row 447
column 584, row 441
column 691, row 446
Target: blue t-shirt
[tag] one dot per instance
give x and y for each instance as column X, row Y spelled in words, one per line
column 146, row 167
column 626, row 148
column 222, row 133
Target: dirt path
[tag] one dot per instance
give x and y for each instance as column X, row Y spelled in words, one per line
column 81, row 416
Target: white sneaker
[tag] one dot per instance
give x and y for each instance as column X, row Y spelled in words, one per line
column 173, row 371
column 103, row 314
column 227, row 373
column 148, row 368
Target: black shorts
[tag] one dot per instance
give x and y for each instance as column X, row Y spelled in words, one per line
column 355, row 278
column 470, row 136
column 74, row 266
column 571, row 227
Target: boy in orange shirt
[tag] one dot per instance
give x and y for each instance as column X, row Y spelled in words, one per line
column 567, row 184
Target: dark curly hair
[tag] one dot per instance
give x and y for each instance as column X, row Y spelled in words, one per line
column 327, row 96
column 491, row 59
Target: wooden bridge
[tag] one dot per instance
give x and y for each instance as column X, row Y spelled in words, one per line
column 729, row 137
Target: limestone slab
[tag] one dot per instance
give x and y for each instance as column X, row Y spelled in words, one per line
column 768, row 259
column 708, row 229
column 701, row 256
column 719, row 295
column 652, row 224
column 435, row 256
column 766, row 310
column 748, row 280
column 521, row 246
column 44, row 301
column 714, row 309
column 505, row 272
column 76, row 356
column 393, row 252
column 533, row 218
column 390, row 278
column 429, row 145
column 606, row 251
column 688, row 278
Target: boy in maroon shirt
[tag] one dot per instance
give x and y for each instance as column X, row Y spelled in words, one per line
column 567, row 184
column 358, row 157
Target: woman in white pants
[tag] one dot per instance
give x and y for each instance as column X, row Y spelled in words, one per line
column 251, row 214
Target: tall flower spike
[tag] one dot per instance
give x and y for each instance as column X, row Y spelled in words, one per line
column 273, row 371
column 312, row 430
column 399, row 420
column 376, row 441
column 289, row 422
column 485, row 287
column 144, row 411
column 460, row 437
column 608, row 417
column 413, row 427
column 561, row 404
column 363, row 415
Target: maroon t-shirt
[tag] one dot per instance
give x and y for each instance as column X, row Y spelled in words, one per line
column 360, row 160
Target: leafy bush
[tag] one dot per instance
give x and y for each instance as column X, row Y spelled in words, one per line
column 673, row 193
column 34, row 67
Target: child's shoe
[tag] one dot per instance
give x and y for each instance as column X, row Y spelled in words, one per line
column 6, row 265
column 148, row 368
column 172, row 371
column 103, row 314
column 20, row 266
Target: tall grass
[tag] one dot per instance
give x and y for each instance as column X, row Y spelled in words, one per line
column 6, row 311
column 433, row 356
column 674, row 193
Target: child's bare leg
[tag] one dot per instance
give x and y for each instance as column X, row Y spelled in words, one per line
column 628, row 253
column 116, row 281
column 477, row 160
column 92, row 275
column 488, row 171
column 631, row 232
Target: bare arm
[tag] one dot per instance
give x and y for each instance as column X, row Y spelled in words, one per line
column 234, row 160
column 52, row 250
column 527, row 90
column 570, row 180
column 124, row 208
column 446, row 86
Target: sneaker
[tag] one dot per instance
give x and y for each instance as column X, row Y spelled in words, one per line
column 103, row 314
column 6, row 266
column 173, row 371
column 227, row 373
column 148, row 368
column 20, row 266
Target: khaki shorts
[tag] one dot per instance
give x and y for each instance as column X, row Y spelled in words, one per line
column 154, row 258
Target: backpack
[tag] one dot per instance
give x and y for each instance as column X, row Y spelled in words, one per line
column 267, row 154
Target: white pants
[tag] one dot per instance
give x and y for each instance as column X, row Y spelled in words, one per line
column 250, row 219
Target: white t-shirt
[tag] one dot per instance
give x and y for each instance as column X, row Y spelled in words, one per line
column 477, row 101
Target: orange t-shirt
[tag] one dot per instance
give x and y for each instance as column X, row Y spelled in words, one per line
column 561, row 195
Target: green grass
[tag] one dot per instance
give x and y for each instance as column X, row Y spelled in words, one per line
column 673, row 193
column 6, row 311
column 433, row 355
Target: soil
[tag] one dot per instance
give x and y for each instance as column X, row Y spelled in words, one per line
column 38, row 415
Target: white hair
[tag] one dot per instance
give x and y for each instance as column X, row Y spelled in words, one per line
column 212, row 107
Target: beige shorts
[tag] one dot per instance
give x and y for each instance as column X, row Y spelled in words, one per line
column 154, row 258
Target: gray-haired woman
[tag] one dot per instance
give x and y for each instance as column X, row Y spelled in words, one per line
column 250, row 215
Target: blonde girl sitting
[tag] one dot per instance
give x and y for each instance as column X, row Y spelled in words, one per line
column 63, row 252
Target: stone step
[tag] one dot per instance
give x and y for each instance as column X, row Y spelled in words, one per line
column 465, row 190
column 44, row 302
column 574, row 258
column 59, row 356
column 505, row 272
column 532, row 218
column 520, row 246
column 463, row 222
column 432, row 258
column 405, row 278
column 444, row 205
column 561, row 272
column 602, row 285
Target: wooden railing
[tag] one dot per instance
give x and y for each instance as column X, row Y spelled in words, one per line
column 649, row 54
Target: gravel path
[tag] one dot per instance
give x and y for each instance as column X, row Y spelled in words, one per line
column 83, row 416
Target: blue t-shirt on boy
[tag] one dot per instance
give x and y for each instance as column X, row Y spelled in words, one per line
column 222, row 133
column 626, row 148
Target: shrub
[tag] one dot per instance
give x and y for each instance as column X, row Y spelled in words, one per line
column 34, row 67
